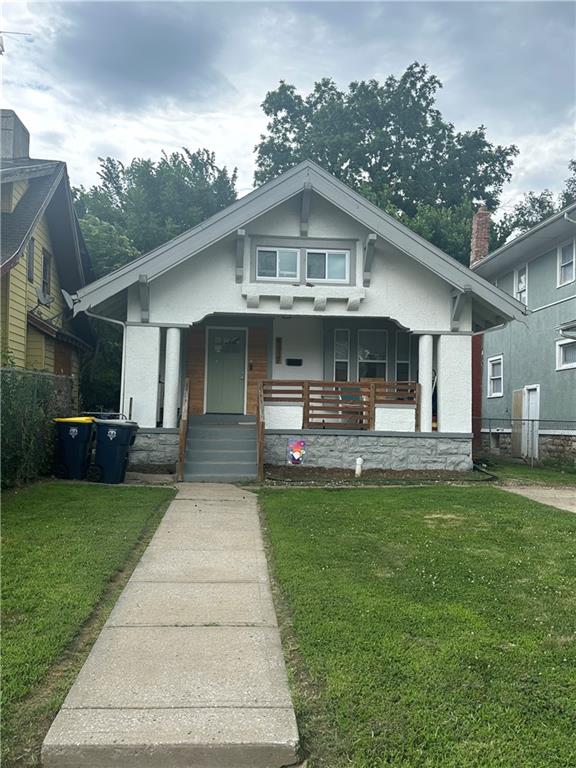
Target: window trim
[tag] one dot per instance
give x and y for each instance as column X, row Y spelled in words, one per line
column 47, row 258
column 30, row 256
column 516, row 271
column 385, row 361
column 277, row 279
column 558, row 262
column 490, row 362
column 326, row 251
column 339, row 359
column 559, row 344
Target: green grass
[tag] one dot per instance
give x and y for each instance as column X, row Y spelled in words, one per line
column 428, row 627
column 536, row 475
column 62, row 544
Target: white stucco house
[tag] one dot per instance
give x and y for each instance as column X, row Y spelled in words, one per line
column 304, row 314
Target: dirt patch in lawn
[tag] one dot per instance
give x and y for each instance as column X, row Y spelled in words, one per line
column 321, row 477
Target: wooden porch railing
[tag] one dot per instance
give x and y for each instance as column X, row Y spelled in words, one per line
column 183, row 431
column 260, row 427
column 341, row 404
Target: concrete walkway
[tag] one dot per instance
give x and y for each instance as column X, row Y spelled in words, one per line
column 188, row 671
column 562, row 497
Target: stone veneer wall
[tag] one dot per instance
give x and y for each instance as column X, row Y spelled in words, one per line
column 154, row 450
column 559, row 448
column 380, row 450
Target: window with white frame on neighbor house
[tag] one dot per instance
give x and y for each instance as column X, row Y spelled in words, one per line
column 277, row 264
column 495, row 376
column 566, row 263
column 332, row 266
column 521, row 284
column 565, row 354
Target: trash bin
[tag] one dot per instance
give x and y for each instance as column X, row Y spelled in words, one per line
column 73, row 446
column 113, row 440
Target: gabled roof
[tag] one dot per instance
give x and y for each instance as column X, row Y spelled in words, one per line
column 305, row 175
column 530, row 244
column 48, row 192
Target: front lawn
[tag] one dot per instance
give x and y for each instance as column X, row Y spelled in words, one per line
column 523, row 474
column 62, row 544
column 428, row 627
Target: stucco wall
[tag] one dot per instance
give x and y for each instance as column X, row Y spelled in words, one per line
column 399, row 418
column 379, row 450
column 141, row 368
column 280, row 416
column 454, row 369
column 302, row 338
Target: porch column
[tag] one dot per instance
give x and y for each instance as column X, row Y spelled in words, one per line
column 171, row 378
column 425, row 357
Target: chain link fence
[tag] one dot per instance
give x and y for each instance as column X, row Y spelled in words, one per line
column 533, row 440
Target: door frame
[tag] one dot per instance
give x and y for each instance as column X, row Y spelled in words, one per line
column 242, row 328
column 527, row 428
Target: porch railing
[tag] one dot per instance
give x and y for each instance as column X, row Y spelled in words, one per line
column 341, row 404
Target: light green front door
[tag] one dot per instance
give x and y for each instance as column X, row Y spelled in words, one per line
column 226, row 370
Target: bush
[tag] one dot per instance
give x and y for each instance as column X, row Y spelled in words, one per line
column 30, row 400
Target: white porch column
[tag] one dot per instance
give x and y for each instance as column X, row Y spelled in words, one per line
column 454, row 360
column 140, row 373
column 171, row 378
column 425, row 357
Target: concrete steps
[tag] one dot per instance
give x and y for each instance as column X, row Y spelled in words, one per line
column 221, row 450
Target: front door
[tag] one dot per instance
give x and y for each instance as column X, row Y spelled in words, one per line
column 225, row 370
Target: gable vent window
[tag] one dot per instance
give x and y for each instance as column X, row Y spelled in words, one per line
column 566, row 268
column 495, row 376
column 46, row 265
column 277, row 264
column 521, row 284
column 30, row 260
column 332, row 266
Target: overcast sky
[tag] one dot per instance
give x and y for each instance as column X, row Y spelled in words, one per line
column 132, row 78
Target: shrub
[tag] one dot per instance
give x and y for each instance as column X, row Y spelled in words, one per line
column 29, row 401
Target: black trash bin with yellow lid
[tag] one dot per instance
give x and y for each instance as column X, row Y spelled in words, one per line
column 73, row 445
column 113, row 440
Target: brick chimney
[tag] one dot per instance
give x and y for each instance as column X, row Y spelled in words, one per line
column 479, row 244
column 15, row 139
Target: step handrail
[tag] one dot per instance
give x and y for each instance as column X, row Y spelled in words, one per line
column 183, row 430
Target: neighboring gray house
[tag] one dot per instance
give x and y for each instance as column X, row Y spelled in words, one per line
column 529, row 366
column 307, row 316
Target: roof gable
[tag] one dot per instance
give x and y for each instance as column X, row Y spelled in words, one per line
column 306, row 175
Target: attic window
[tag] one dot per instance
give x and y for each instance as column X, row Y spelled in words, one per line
column 46, row 266
column 332, row 266
column 277, row 264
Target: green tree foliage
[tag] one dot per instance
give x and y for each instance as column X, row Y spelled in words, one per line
column 152, row 202
column 534, row 207
column 388, row 137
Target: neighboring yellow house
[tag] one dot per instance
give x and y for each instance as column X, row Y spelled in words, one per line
column 42, row 252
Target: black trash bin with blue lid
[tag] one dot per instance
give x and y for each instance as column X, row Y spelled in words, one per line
column 73, row 447
column 113, row 440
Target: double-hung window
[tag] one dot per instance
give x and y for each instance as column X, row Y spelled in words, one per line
column 277, row 264
column 566, row 263
column 341, row 354
column 521, row 284
column 565, row 354
column 372, row 354
column 331, row 266
column 495, row 376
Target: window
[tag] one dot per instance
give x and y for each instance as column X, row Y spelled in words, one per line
column 402, row 356
column 495, row 376
column 30, row 262
column 372, row 354
column 341, row 354
column 521, row 284
column 46, row 264
column 332, row 266
column 565, row 354
column 277, row 264
column 566, row 259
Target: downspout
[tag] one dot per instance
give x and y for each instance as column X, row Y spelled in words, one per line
column 123, row 324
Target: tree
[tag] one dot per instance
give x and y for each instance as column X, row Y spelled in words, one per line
column 534, row 207
column 152, row 202
column 387, row 137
